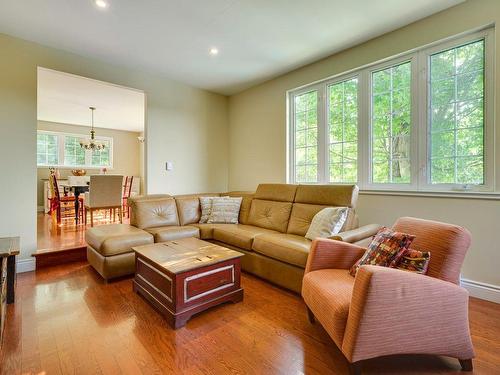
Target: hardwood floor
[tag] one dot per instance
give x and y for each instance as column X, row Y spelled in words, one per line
column 65, row 243
column 66, row 320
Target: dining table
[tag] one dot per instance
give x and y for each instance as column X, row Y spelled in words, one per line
column 76, row 185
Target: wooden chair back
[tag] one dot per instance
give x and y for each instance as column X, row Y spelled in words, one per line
column 127, row 187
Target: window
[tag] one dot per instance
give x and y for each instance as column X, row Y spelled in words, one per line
column 74, row 155
column 101, row 157
column 306, row 137
column 391, row 124
column 457, row 116
column 46, row 149
column 343, row 131
column 416, row 122
column 56, row 149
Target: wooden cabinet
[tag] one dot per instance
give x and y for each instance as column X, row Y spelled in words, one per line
column 3, row 294
column 9, row 248
column 184, row 277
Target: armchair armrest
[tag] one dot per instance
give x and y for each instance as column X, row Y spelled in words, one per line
column 326, row 253
column 358, row 234
column 399, row 312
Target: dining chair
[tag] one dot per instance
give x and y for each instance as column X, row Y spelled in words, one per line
column 105, row 193
column 62, row 205
column 127, row 190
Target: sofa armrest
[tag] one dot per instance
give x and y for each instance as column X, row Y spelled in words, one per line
column 400, row 312
column 326, row 253
column 358, row 234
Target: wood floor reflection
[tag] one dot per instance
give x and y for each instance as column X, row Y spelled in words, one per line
column 52, row 237
column 66, row 320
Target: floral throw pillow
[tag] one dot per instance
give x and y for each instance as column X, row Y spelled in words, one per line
column 387, row 246
column 413, row 261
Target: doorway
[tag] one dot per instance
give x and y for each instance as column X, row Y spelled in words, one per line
column 85, row 127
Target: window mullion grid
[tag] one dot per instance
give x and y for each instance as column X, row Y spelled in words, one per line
column 322, row 108
column 60, row 144
column 343, row 133
column 293, row 135
column 455, row 99
column 364, row 121
column 391, row 134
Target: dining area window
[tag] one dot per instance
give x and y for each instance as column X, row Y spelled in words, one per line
column 57, row 149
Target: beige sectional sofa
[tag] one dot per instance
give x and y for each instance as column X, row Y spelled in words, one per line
column 272, row 224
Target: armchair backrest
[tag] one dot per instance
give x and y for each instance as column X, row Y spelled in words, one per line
column 447, row 244
column 105, row 191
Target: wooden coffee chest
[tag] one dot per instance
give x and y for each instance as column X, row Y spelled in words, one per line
column 184, row 277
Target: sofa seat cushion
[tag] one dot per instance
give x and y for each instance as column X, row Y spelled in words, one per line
column 328, row 294
column 238, row 235
column 206, row 230
column 173, row 232
column 116, row 239
column 287, row 248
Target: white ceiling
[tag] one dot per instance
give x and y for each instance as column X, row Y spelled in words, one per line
column 66, row 98
column 257, row 39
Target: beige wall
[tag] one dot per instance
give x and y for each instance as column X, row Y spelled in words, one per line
column 126, row 152
column 183, row 124
column 257, row 134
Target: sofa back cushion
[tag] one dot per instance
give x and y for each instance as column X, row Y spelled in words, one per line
column 271, row 206
column 188, row 210
column 188, row 207
column 153, row 211
column 328, row 195
column 245, row 203
column 310, row 199
column 276, row 192
column 301, row 217
column 270, row 214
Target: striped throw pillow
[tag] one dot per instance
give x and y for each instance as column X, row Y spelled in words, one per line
column 225, row 210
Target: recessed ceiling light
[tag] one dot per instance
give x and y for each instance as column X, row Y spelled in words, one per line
column 213, row 51
column 101, row 3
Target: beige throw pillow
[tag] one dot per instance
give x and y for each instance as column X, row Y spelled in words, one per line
column 225, row 210
column 327, row 222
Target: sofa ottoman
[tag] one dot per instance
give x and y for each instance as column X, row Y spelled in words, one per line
column 109, row 248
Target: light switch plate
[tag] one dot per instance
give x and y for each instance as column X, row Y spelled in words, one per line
column 169, row 166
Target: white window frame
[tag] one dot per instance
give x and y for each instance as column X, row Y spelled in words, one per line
column 46, row 154
column 488, row 130
column 88, row 153
column 368, row 183
column 328, row 83
column 419, row 144
column 321, row 133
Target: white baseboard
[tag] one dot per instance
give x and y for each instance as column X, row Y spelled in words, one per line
column 481, row 290
column 25, row 265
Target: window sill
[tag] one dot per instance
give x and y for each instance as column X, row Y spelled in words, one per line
column 435, row 194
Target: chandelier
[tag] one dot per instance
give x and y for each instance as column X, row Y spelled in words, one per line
column 92, row 144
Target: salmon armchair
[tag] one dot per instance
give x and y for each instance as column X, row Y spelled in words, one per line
column 385, row 311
